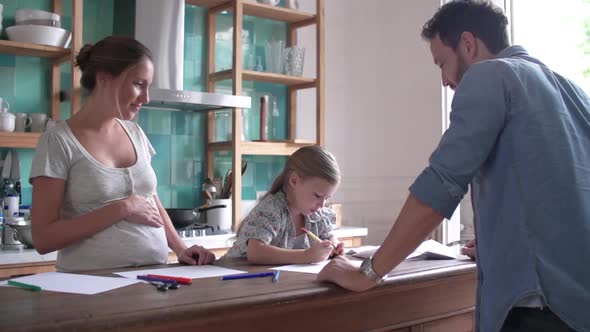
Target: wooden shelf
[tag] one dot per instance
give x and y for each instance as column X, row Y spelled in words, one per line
column 19, row 140
column 270, row 148
column 260, row 76
column 253, row 8
column 28, row 49
column 294, row 19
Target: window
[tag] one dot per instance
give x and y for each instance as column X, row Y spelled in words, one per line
column 557, row 33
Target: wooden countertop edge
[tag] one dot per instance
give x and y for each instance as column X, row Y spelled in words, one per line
column 27, row 264
column 400, row 283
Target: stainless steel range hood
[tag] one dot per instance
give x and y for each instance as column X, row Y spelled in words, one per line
column 160, row 26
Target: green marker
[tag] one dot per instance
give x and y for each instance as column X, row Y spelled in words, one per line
column 23, row 285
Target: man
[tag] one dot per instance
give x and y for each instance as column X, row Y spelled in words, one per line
column 520, row 134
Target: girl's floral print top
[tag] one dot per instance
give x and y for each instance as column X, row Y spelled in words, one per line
column 270, row 222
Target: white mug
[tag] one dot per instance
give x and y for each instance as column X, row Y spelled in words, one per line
column 22, row 122
column 38, row 122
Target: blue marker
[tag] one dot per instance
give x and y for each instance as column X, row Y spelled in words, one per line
column 276, row 277
column 154, row 279
column 248, row 275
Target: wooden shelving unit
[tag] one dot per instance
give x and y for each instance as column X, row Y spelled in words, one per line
column 259, row 76
column 58, row 56
column 253, row 8
column 295, row 19
column 274, row 148
column 19, row 140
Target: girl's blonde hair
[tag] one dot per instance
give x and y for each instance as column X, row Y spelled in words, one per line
column 308, row 161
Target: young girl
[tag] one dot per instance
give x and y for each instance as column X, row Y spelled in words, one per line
column 272, row 232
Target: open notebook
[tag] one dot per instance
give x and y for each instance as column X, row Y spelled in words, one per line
column 429, row 249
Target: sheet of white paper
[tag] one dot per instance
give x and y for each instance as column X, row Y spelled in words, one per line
column 360, row 249
column 434, row 249
column 73, row 283
column 189, row 271
column 309, row 268
column 427, row 249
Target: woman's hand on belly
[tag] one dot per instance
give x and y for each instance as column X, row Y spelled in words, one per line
column 141, row 210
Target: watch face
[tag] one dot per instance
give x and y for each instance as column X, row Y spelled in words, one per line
column 365, row 264
column 367, row 269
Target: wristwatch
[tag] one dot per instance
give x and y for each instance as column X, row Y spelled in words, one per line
column 367, row 269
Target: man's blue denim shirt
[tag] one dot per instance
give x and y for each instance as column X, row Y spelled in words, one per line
column 520, row 134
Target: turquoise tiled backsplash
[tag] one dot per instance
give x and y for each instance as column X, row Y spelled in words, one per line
column 178, row 137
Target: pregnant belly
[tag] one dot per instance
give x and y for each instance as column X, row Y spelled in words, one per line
column 121, row 245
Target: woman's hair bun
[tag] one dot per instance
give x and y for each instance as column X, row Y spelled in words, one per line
column 83, row 57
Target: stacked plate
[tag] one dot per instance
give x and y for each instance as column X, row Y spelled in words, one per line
column 38, row 27
column 1, row 9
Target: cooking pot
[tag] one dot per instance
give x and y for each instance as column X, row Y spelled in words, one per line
column 17, row 233
column 182, row 218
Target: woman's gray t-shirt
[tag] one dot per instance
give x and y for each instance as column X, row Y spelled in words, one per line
column 90, row 186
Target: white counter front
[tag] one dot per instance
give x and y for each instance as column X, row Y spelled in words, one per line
column 23, row 256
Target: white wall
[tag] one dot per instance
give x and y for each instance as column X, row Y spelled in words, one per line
column 383, row 103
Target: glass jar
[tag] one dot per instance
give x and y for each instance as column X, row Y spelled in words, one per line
column 223, row 126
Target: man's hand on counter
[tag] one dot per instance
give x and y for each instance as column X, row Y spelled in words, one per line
column 340, row 271
column 196, row 255
column 469, row 249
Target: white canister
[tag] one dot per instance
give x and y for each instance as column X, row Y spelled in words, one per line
column 7, row 120
column 221, row 217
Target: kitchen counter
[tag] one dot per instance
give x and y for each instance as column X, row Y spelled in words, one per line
column 226, row 240
column 436, row 295
column 12, row 261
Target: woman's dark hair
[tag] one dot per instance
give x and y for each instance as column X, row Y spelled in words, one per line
column 483, row 19
column 112, row 55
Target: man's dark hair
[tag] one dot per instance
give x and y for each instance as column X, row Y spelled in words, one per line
column 483, row 19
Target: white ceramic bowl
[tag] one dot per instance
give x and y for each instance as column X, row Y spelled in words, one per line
column 34, row 14
column 50, row 23
column 39, row 34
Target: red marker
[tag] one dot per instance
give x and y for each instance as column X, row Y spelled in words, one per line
column 180, row 280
